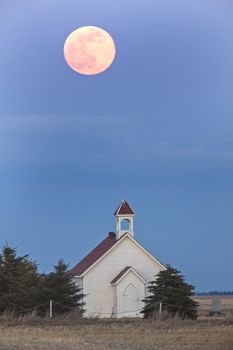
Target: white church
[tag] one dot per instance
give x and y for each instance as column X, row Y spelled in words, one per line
column 114, row 276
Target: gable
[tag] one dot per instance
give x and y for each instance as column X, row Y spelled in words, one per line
column 126, row 271
column 124, row 248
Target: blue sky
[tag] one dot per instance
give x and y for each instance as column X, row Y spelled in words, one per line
column 156, row 129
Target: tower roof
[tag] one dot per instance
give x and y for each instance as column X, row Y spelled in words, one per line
column 124, row 209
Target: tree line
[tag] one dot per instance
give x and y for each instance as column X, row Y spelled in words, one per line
column 216, row 292
column 23, row 288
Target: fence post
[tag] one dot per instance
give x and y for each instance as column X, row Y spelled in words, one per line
column 50, row 308
column 160, row 308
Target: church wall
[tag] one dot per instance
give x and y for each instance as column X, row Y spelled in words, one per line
column 99, row 292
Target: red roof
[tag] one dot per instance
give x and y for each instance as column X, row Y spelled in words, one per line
column 124, row 209
column 120, row 274
column 94, row 255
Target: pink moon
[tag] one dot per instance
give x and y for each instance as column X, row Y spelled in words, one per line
column 89, row 50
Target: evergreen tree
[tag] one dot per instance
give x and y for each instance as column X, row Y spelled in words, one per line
column 170, row 289
column 19, row 281
column 60, row 287
column 22, row 288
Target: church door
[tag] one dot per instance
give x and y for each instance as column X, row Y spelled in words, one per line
column 130, row 301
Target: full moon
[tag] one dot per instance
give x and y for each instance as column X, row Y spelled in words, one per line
column 89, row 50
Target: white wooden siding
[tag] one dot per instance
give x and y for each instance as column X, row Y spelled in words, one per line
column 96, row 283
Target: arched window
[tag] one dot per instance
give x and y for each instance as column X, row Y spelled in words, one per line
column 125, row 225
column 131, row 290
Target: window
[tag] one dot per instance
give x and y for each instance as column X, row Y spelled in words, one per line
column 125, row 225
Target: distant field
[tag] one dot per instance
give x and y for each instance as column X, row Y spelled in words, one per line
column 206, row 300
column 119, row 335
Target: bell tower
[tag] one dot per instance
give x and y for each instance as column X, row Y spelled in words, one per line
column 124, row 219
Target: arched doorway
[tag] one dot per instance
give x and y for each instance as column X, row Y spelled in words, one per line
column 130, row 301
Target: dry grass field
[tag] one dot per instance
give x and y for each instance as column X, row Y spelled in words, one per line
column 109, row 335
column 205, row 302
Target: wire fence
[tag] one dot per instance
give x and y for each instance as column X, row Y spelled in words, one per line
column 50, row 309
column 33, row 308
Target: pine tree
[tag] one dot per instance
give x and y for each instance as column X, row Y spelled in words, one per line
column 60, row 287
column 19, row 281
column 170, row 289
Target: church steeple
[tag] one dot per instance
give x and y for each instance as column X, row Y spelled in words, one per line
column 124, row 215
